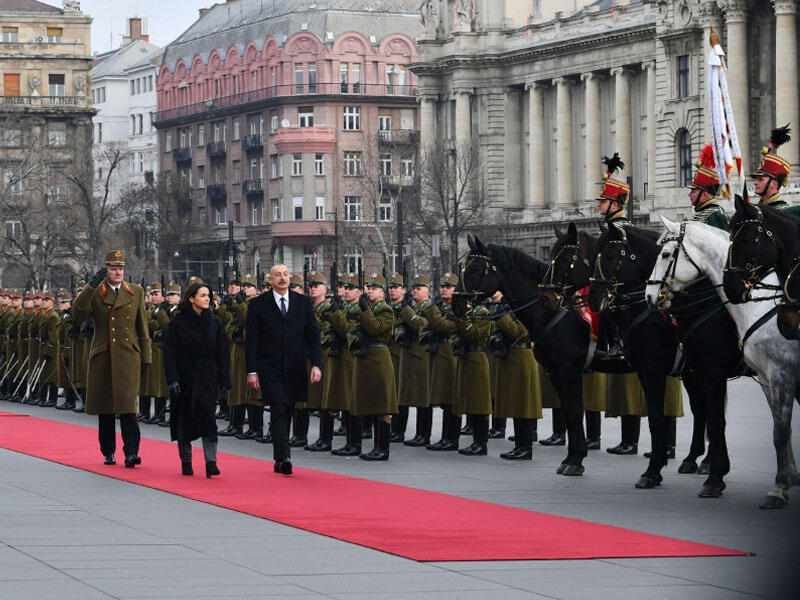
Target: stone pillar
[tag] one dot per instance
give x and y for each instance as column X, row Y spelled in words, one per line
column 463, row 118
column 427, row 125
column 786, row 92
column 513, row 152
column 650, row 68
column 622, row 114
column 738, row 82
column 594, row 147
column 536, row 197
column 564, row 193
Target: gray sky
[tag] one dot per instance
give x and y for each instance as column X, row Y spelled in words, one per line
column 166, row 19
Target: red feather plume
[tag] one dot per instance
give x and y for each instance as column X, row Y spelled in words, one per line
column 707, row 157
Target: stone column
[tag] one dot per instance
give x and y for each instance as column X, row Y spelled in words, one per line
column 463, row 118
column 427, row 125
column 738, row 82
column 622, row 114
column 594, row 147
column 650, row 68
column 564, row 193
column 514, row 155
column 786, row 92
column 536, row 197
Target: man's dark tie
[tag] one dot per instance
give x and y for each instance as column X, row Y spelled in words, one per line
column 283, row 306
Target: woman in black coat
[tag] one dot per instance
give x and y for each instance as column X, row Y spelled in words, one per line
column 197, row 365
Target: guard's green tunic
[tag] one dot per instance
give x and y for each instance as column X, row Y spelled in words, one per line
column 240, row 393
column 316, row 390
column 712, row 214
column 156, row 376
column 519, row 394
column 779, row 203
column 339, row 386
column 394, row 347
column 473, row 392
column 374, row 388
column 441, row 362
column 413, row 386
column 49, row 346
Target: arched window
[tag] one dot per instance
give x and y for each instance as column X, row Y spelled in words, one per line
column 683, row 144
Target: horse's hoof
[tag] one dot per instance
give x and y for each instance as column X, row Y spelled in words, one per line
column 573, row 470
column 772, row 502
column 648, row 482
column 704, row 468
column 561, row 467
column 687, row 466
column 711, row 490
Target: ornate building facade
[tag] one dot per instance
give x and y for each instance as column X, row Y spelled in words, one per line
column 296, row 122
column 545, row 99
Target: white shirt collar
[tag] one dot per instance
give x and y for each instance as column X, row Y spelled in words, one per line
column 278, row 297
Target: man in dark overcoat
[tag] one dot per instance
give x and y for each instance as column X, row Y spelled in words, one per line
column 120, row 347
column 281, row 330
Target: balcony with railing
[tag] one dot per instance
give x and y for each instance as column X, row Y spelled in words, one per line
column 252, row 142
column 396, row 181
column 304, row 139
column 44, row 101
column 181, row 155
column 302, row 230
column 253, row 187
column 216, row 192
column 215, row 149
column 338, row 89
column 398, row 137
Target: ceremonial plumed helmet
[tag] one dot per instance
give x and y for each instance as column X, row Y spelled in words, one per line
column 614, row 189
column 317, row 278
column 773, row 165
column 115, row 258
column 706, row 178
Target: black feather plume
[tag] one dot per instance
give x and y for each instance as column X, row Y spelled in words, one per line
column 779, row 135
column 613, row 163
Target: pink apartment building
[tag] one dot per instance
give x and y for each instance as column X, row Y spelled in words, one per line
column 298, row 123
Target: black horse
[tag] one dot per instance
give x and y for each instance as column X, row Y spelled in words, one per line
column 711, row 354
column 561, row 338
column 624, row 261
column 763, row 239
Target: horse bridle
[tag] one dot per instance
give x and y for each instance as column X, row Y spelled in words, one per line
column 612, row 293
column 665, row 291
column 490, row 267
column 562, row 290
column 752, row 273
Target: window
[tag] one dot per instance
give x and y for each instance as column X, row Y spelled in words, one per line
column 236, row 128
column 352, row 118
column 356, row 72
column 220, row 214
column 133, row 124
column 352, row 163
column 320, row 208
column 312, row 79
column 218, row 131
column 273, row 121
column 12, row 183
column 11, row 84
column 386, row 165
column 57, row 134
column 140, row 165
column 319, row 165
column 167, row 141
column 407, row 166
column 254, row 170
column 133, row 87
column 352, row 208
column 201, row 135
column 13, row 231
column 385, row 209
column 353, row 260
column 152, row 121
column 55, row 35
column 98, row 174
column 237, row 212
column 201, row 215
column 684, row 143
column 149, row 83
column 255, row 212
column 138, row 83
column 12, row 137
column 10, row 35
column 201, row 177
column 298, row 79
column 182, row 136
column 384, row 123
column 343, row 78
column 276, row 209
column 237, row 171
column 275, row 164
column 297, row 165
column 395, row 79
column 305, row 116
column 253, row 81
column 683, row 76
column 297, row 206
column 56, row 81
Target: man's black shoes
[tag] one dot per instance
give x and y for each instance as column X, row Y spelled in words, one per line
column 132, row 460
column 109, row 459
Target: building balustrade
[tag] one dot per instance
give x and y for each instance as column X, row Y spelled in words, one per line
column 252, row 187
column 180, row 155
column 288, row 90
column 43, row 101
column 215, row 149
column 399, row 137
column 405, row 181
column 254, row 141
column 216, row 191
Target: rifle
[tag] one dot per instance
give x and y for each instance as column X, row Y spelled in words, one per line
column 69, row 379
column 258, row 277
column 12, row 362
column 361, row 277
column 406, row 281
column 305, row 277
column 335, row 281
column 163, row 286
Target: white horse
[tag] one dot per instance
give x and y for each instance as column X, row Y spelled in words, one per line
column 775, row 359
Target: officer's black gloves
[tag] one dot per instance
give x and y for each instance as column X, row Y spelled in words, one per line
column 363, row 302
column 98, row 277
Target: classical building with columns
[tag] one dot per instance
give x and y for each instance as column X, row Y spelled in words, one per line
column 545, row 100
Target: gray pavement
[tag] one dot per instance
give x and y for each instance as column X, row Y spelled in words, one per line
column 66, row 533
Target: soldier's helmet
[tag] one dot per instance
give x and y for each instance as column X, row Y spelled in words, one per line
column 449, row 279
column 614, row 189
column 249, row 280
column 173, row 288
column 421, row 281
column 317, row 278
column 706, row 178
column 772, row 165
column 295, row 281
column 376, row 280
column 396, row 280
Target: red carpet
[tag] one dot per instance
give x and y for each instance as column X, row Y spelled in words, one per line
column 416, row 524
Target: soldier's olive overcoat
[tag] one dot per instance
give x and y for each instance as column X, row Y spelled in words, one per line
column 374, row 389
column 240, row 393
column 338, row 390
column 517, row 390
column 316, row 390
column 49, row 346
column 473, row 388
column 156, row 378
column 441, row 362
column 120, row 345
column 595, row 390
column 413, row 385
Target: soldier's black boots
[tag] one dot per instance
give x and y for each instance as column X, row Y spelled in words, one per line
column 144, row 409
column 451, row 429
column 498, row 429
column 480, row 436
column 399, row 424
column 523, row 444
column 381, row 449
column 424, row 426
column 80, row 401
column 353, row 425
column 629, row 446
column 69, row 400
column 325, row 441
column 237, row 422
column 592, row 430
column 300, row 428
column 559, row 430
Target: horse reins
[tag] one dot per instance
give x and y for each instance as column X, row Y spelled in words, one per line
column 752, row 277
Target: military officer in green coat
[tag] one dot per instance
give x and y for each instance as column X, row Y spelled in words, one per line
column 773, row 173
column 80, row 351
column 120, row 350
column 704, row 190
column 414, row 361
column 65, row 350
column 374, row 388
column 317, row 290
column 49, row 352
column 12, row 336
column 438, row 337
column 397, row 292
column 156, row 378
